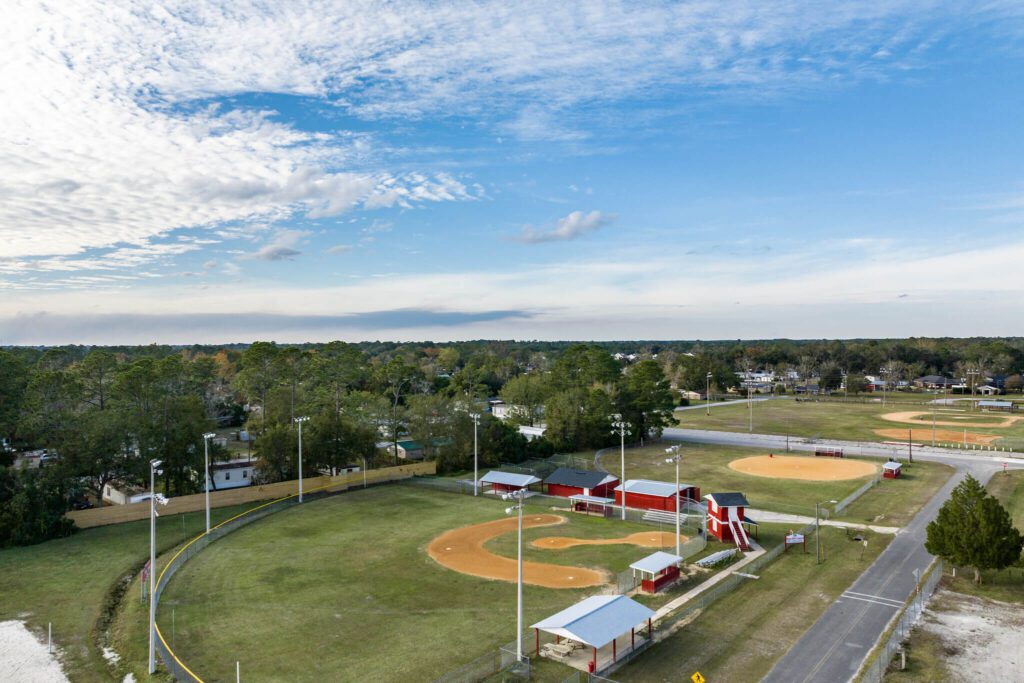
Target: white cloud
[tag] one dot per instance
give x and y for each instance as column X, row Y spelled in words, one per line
column 340, row 249
column 281, row 248
column 107, row 137
column 576, row 224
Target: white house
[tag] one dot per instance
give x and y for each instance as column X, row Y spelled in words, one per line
column 532, row 433
column 119, row 493
column 231, row 474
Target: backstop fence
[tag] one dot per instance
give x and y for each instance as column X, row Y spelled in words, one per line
column 904, row 621
column 500, row 664
column 174, row 664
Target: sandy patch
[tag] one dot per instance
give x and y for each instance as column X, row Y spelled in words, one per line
column 644, row 539
column 925, row 436
column 25, row 659
column 462, row 550
column 919, row 417
column 805, row 468
column 983, row 639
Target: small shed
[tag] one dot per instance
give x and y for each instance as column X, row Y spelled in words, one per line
column 566, row 482
column 647, row 494
column 595, row 622
column 503, row 482
column 657, row 570
column 892, row 470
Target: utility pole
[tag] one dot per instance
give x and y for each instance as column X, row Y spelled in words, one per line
column 299, row 421
column 206, row 458
column 476, row 476
column 620, row 426
column 707, row 395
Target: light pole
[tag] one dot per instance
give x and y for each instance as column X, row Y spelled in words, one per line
column 519, row 496
column 707, row 394
column 972, row 373
column 750, row 401
column 676, row 457
column 817, row 530
column 299, row 421
column 620, row 426
column 476, row 478
column 884, row 373
column 206, row 459
column 153, row 500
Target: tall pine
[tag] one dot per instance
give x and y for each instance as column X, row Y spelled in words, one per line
column 974, row 530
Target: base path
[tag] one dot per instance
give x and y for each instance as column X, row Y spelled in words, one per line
column 462, row 550
column 924, row 435
column 644, row 539
column 802, row 467
column 924, row 418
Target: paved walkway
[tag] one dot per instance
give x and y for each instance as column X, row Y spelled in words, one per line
column 784, row 518
column 676, row 603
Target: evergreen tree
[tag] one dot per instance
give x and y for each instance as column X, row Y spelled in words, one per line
column 973, row 530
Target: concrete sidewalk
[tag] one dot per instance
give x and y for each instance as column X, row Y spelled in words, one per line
column 785, row 518
column 675, row 604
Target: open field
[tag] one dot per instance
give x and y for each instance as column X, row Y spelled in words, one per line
column 851, row 421
column 708, row 467
column 351, row 574
column 894, row 502
column 739, row 637
column 66, row 582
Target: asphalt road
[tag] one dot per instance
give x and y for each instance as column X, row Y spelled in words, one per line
column 835, row 646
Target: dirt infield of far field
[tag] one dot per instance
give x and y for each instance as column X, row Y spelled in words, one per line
column 945, row 435
column 920, row 418
column 462, row 550
column 644, row 539
column 806, row 468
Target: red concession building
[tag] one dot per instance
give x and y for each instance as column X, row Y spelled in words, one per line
column 566, row 482
column 726, row 519
column 646, row 494
column 506, row 482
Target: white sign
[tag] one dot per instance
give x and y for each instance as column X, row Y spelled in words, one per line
column 793, row 539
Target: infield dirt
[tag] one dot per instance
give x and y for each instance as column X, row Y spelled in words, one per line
column 805, row 468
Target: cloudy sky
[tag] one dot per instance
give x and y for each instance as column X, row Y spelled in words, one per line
column 214, row 172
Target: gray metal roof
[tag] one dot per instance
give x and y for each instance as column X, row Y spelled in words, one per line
column 592, row 499
column 508, row 478
column 729, row 500
column 649, row 487
column 655, row 562
column 597, row 620
column 584, row 479
column 995, row 404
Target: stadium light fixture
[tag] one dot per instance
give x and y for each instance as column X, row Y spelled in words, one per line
column 206, row 471
column 520, row 496
column 153, row 469
column 476, row 476
column 676, row 457
column 619, row 426
column 299, row 421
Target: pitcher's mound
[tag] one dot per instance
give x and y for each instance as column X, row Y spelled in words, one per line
column 806, row 468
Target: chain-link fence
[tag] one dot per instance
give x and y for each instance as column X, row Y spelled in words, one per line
column 502, row 661
column 875, row 671
column 849, row 500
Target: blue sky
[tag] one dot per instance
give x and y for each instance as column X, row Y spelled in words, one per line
column 209, row 172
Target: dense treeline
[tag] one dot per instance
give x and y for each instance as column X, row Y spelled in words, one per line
column 105, row 412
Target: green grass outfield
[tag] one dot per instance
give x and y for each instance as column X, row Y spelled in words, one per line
column 66, row 582
column 833, row 420
column 347, row 583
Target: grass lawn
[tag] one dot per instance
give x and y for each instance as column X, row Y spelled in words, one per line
column 894, row 502
column 347, row 578
column 66, row 582
column 835, row 420
column 708, row 468
column 739, row 637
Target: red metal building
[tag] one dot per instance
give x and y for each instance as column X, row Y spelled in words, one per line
column 646, row 494
column 566, row 482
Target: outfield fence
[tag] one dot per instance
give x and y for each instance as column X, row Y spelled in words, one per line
column 174, row 664
column 850, row 499
column 502, row 661
column 904, row 622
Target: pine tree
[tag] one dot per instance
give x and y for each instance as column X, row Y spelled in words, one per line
column 974, row 530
